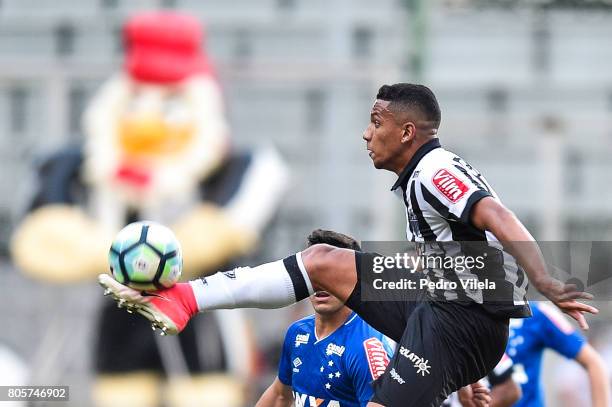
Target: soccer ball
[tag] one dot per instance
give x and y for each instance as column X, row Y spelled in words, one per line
column 146, row 256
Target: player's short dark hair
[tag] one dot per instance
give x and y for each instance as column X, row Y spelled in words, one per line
column 333, row 239
column 409, row 96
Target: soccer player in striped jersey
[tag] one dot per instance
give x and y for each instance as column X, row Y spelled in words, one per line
column 330, row 358
column 446, row 339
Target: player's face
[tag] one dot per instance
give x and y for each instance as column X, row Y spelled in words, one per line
column 383, row 136
column 325, row 303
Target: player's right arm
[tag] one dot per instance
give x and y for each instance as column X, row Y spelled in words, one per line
column 599, row 378
column 558, row 334
column 490, row 215
column 277, row 395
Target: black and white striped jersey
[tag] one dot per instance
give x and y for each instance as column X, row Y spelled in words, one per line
column 439, row 190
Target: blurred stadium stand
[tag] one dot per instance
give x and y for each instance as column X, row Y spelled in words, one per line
column 303, row 76
column 525, row 88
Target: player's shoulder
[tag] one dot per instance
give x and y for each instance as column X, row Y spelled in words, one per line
column 358, row 328
column 436, row 160
column 305, row 324
column 366, row 337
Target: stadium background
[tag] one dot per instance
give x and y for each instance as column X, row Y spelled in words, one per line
column 525, row 89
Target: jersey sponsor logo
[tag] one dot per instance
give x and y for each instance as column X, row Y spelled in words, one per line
column 449, row 185
column 304, row 400
column 377, row 357
column 301, row 339
column 421, row 364
column 395, row 376
column 333, row 349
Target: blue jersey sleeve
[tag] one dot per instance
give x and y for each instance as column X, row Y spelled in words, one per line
column 557, row 333
column 284, row 366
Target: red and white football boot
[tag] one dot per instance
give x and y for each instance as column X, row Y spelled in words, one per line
column 169, row 309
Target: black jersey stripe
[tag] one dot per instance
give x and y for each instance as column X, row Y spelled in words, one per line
column 410, row 226
column 459, row 230
column 451, row 275
column 478, row 184
column 424, row 227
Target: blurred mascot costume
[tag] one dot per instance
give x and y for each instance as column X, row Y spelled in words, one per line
column 157, row 147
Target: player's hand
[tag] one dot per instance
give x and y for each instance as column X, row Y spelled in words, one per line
column 565, row 297
column 475, row 395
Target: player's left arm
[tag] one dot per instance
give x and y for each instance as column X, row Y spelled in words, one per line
column 505, row 394
column 277, row 395
column 599, row 378
column 489, row 214
column 504, row 390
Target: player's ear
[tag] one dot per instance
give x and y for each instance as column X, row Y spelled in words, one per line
column 408, row 132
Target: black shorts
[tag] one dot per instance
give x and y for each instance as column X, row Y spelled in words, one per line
column 441, row 346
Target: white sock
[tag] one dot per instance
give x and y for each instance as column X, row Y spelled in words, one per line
column 271, row 285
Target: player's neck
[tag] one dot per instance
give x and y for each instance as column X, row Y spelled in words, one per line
column 404, row 159
column 326, row 324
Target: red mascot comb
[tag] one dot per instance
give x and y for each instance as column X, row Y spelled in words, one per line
column 164, row 47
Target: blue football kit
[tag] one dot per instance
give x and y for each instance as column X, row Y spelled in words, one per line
column 337, row 370
column 528, row 339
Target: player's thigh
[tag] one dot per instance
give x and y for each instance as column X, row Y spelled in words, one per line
column 478, row 339
column 385, row 310
column 418, row 374
column 445, row 346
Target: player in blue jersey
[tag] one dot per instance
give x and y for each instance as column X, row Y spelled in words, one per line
column 329, row 358
column 548, row 328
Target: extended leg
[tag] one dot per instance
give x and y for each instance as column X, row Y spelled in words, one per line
column 271, row 285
